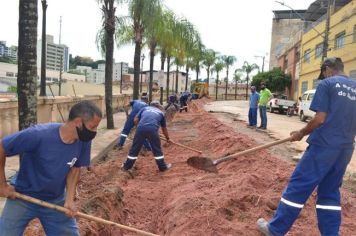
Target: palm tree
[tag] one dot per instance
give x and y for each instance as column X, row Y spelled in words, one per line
column 188, row 65
column 237, row 78
column 247, row 68
column 106, row 41
column 142, row 14
column 209, row 58
column 229, row 61
column 218, row 66
column 27, row 64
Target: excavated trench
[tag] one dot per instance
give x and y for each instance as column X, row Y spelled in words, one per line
column 186, row 201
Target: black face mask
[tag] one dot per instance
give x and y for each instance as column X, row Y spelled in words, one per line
column 84, row 134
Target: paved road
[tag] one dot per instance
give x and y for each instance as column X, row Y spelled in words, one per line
column 279, row 125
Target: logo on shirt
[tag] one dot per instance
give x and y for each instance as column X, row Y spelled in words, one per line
column 71, row 164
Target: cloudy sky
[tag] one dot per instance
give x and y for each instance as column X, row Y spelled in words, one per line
column 230, row 27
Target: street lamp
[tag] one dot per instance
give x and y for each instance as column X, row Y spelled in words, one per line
column 142, row 58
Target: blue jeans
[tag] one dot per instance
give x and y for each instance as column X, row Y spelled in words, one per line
column 263, row 115
column 252, row 116
column 17, row 214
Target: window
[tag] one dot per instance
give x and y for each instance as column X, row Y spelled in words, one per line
column 304, row 86
column 316, row 83
column 307, row 55
column 310, row 97
column 9, row 74
column 319, row 50
column 354, row 34
column 340, row 40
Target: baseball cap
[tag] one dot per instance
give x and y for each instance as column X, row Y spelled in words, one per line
column 332, row 62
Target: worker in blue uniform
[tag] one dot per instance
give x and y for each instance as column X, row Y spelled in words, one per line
column 149, row 120
column 331, row 144
column 172, row 100
column 183, row 99
column 136, row 106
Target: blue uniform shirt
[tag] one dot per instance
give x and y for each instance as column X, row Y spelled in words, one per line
column 46, row 160
column 337, row 97
column 136, row 105
column 151, row 118
column 172, row 98
column 254, row 97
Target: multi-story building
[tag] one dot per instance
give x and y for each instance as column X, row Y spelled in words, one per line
column 10, row 52
column 57, row 55
column 97, row 76
column 285, row 25
column 341, row 43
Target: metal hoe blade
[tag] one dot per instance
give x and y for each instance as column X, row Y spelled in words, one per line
column 202, row 163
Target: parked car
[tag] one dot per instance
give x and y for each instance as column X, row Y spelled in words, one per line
column 280, row 103
column 304, row 111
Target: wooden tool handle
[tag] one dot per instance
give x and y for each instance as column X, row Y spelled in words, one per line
column 248, row 151
column 183, row 146
column 80, row 214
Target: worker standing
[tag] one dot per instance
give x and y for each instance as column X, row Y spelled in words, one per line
column 323, row 165
column 265, row 96
column 52, row 155
column 252, row 113
column 149, row 120
column 136, row 106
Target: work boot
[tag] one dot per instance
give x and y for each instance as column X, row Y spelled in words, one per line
column 262, row 225
column 168, row 166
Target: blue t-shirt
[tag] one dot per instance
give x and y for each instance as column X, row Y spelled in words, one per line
column 151, row 118
column 254, row 97
column 337, row 97
column 136, row 105
column 184, row 97
column 172, row 98
column 46, row 160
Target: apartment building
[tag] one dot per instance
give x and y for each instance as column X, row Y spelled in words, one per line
column 10, row 52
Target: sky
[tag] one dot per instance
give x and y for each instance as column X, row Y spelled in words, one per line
column 230, row 27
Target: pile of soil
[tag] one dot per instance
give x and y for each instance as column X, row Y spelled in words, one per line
column 186, row 201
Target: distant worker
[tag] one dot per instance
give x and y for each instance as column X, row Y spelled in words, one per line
column 322, row 167
column 136, row 106
column 52, row 155
column 252, row 113
column 265, row 96
column 149, row 120
column 184, row 101
column 172, row 100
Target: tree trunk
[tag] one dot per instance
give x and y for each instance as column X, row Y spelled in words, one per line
column 137, row 58
column 167, row 82
column 227, row 81
column 247, row 79
column 177, row 79
column 27, row 64
column 186, row 78
column 236, row 90
column 208, row 71
column 43, row 50
column 217, row 86
column 152, row 57
column 163, row 59
column 197, row 72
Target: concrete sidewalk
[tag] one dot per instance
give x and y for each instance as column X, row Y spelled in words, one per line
column 103, row 142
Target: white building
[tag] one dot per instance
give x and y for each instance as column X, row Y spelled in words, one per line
column 10, row 52
column 160, row 78
column 97, row 76
column 56, row 55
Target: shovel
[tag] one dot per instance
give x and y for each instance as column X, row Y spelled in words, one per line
column 181, row 145
column 207, row 164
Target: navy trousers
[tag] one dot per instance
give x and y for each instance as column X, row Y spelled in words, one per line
column 140, row 136
column 319, row 167
column 252, row 116
column 129, row 124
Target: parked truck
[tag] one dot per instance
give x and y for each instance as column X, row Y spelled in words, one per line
column 280, row 103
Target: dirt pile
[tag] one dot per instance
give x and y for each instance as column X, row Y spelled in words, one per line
column 186, row 201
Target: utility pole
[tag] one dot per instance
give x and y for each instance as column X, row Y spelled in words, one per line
column 326, row 35
column 60, row 77
column 121, row 79
column 263, row 61
column 60, row 29
column 43, row 50
column 142, row 58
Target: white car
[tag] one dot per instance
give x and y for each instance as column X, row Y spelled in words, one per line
column 304, row 111
column 280, row 103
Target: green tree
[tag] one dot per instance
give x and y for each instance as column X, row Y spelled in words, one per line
column 229, row 61
column 247, row 69
column 237, row 78
column 12, row 89
column 106, row 39
column 27, row 63
column 209, row 58
column 217, row 68
column 276, row 80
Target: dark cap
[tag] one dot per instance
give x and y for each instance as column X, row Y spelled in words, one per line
column 333, row 63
